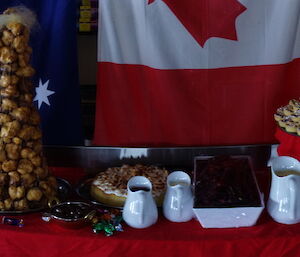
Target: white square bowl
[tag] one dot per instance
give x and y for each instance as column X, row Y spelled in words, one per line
column 229, row 217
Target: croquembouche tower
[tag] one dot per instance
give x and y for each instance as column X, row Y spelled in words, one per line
column 25, row 182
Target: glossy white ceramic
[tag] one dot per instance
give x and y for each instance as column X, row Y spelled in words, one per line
column 140, row 210
column 284, row 199
column 178, row 200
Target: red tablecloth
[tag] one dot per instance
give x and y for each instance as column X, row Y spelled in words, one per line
column 267, row 238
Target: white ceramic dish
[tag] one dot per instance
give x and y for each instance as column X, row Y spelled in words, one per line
column 229, row 217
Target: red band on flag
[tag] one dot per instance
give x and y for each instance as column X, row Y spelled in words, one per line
column 142, row 106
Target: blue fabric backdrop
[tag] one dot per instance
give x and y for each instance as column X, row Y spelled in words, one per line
column 54, row 57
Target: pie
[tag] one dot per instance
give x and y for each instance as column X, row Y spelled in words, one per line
column 110, row 187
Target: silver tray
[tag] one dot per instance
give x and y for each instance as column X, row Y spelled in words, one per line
column 63, row 190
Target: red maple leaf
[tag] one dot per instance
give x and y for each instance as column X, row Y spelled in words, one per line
column 207, row 18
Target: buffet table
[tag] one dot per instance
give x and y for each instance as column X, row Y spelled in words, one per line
column 39, row 238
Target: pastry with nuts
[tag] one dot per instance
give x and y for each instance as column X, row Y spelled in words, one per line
column 288, row 117
column 25, row 182
column 110, row 187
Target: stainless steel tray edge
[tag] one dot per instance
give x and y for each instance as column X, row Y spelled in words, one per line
column 102, row 157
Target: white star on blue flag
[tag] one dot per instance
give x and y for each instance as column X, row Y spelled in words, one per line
column 42, row 93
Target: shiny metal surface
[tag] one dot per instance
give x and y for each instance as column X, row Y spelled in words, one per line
column 103, row 157
column 64, row 191
column 61, row 214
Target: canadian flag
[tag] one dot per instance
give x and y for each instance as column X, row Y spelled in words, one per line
column 194, row 72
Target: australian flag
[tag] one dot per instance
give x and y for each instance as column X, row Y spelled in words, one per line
column 54, row 57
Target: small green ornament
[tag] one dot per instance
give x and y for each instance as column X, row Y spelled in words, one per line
column 98, row 227
column 108, row 229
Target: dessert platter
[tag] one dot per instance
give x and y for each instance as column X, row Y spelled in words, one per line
column 288, row 131
column 25, row 181
column 63, row 193
column 226, row 193
column 288, row 117
column 224, row 181
column 109, row 188
column 83, row 190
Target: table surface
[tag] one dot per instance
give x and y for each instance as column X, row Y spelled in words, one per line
column 165, row 238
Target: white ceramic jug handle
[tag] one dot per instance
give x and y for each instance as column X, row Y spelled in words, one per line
column 179, row 194
column 292, row 186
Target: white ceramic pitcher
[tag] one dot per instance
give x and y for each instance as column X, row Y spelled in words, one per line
column 284, row 199
column 140, row 210
column 178, row 200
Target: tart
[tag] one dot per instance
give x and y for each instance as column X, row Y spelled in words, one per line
column 288, row 117
column 288, row 110
column 110, row 187
column 295, row 104
column 291, row 127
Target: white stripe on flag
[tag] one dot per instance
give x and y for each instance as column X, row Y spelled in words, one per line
column 133, row 32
